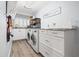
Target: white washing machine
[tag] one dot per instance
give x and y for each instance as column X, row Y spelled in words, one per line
column 35, row 40
column 29, row 32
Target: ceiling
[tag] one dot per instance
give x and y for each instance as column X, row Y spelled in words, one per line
column 30, row 7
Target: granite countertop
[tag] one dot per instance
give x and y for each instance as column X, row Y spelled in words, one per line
column 60, row 29
column 24, row 28
column 19, row 27
column 54, row 29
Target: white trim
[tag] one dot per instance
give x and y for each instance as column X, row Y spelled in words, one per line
column 10, row 50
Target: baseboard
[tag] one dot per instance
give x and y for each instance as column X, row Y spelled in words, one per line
column 10, row 50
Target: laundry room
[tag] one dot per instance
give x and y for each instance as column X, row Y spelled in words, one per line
column 39, row 29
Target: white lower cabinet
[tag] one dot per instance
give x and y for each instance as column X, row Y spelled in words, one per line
column 59, row 43
column 48, row 51
column 54, row 44
column 19, row 34
column 51, row 43
column 45, row 50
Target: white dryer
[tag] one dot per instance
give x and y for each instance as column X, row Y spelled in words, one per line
column 26, row 31
column 29, row 32
column 35, row 40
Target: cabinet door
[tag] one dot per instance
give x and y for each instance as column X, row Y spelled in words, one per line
column 46, row 51
column 54, row 40
column 19, row 34
column 16, row 34
column 22, row 33
column 20, row 21
column 54, row 43
column 42, row 33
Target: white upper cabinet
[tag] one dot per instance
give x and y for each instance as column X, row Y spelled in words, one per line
column 20, row 21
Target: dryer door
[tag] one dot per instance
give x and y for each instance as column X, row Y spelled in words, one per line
column 34, row 43
column 33, row 38
column 28, row 36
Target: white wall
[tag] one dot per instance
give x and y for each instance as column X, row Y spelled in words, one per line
column 20, row 21
column 4, row 47
column 2, row 29
column 69, row 15
column 11, row 8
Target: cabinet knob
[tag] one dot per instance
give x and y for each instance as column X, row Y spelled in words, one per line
column 42, row 30
column 54, row 33
column 47, row 41
column 46, row 53
column 34, row 31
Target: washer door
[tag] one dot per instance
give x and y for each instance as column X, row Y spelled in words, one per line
column 33, row 39
column 28, row 36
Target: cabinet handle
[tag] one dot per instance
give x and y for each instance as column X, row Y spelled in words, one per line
column 42, row 31
column 54, row 33
column 34, row 31
column 47, row 41
column 46, row 53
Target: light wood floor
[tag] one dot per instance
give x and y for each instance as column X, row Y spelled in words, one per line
column 20, row 48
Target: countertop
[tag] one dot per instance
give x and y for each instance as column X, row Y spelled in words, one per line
column 60, row 29
column 24, row 28
column 19, row 27
column 54, row 29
